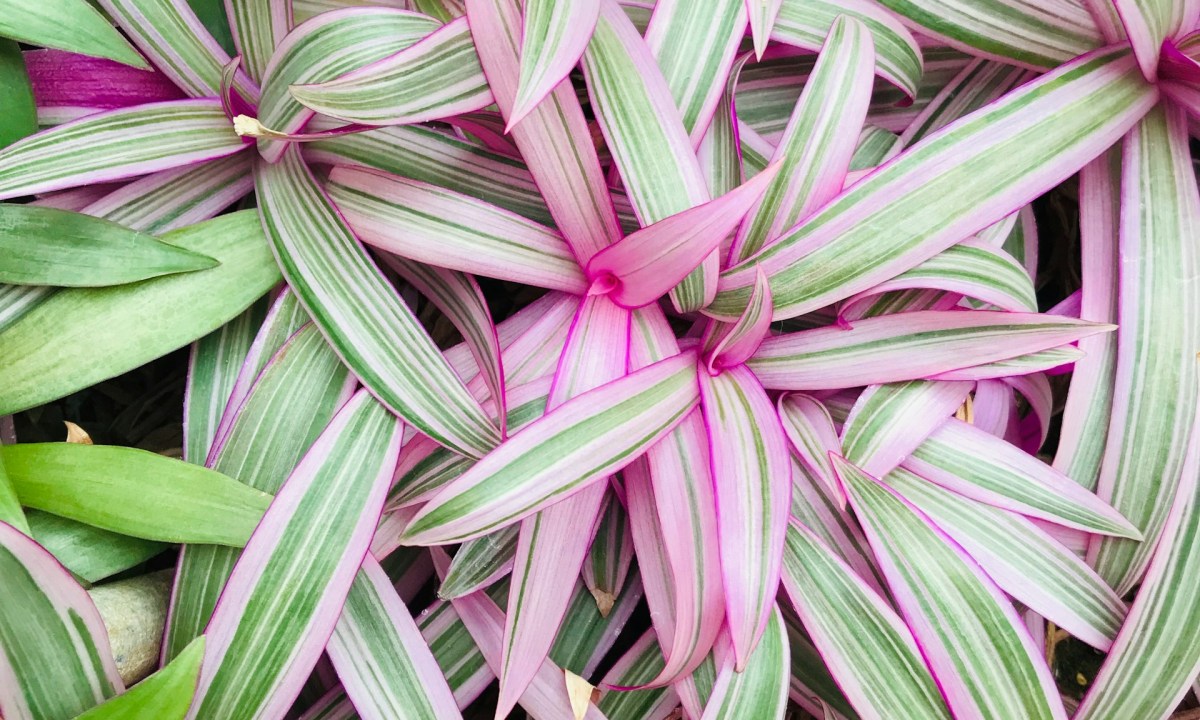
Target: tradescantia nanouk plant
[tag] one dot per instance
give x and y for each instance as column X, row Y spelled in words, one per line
column 767, row 404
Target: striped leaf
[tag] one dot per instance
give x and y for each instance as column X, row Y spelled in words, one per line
column 806, row 23
column 820, row 138
column 546, row 698
column 360, row 315
column 673, row 521
column 293, row 399
column 324, row 48
column 762, row 19
column 171, row 199
column 606, row 567
column 889, row 421
column 1154, row 660
column 426, row 156
column 299, row 565
column 88, row 552
column 977, row 84
column 971, row 462
column 461, row 661
column 809, row 428
column 1155, row 361
column 258, row 26
column 550, row 544
column 440, row 227
column 419, row 475
column 116, row 145
column 479, row 563
column 383, row 662
column 553, row 138
column 54, row 651
column 1088, row 408
column 866, row 645
column 1147, row 23
column 213, row 366
column 641, row 663
column 641, row 267
column 165, row 695
column 587, row 634
column 45, row 246
column 72, row 25
column 973, row 268
column 810, row 683
column 1028, row 564
column 693, row 44
column 989, row 164
column 824, row 513
column 760, row 690
column 729, row 345
column 1016, row 367
column 134, row 492
column 438, row 76
column 142, row 321
column 284, row 319
column 553, row 38
column 177, row 43
column 588, row 437
column 1036, row 35
column 752, row 479
column 461, row 300
column 905, row 346
column 646, row 136
column 952, row 608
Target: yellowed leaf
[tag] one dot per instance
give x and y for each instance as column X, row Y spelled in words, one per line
column 581, row 693
column 76, row 434
column 604, row 602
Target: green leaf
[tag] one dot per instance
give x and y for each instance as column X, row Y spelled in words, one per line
column 10, row 506
column 437, row 77
column 55, row 349
column 134, row 492
column 385, row 666
column 72, row 25
column 16, row 96
column 47, row 246
column 87, row 551
column 165, row 695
